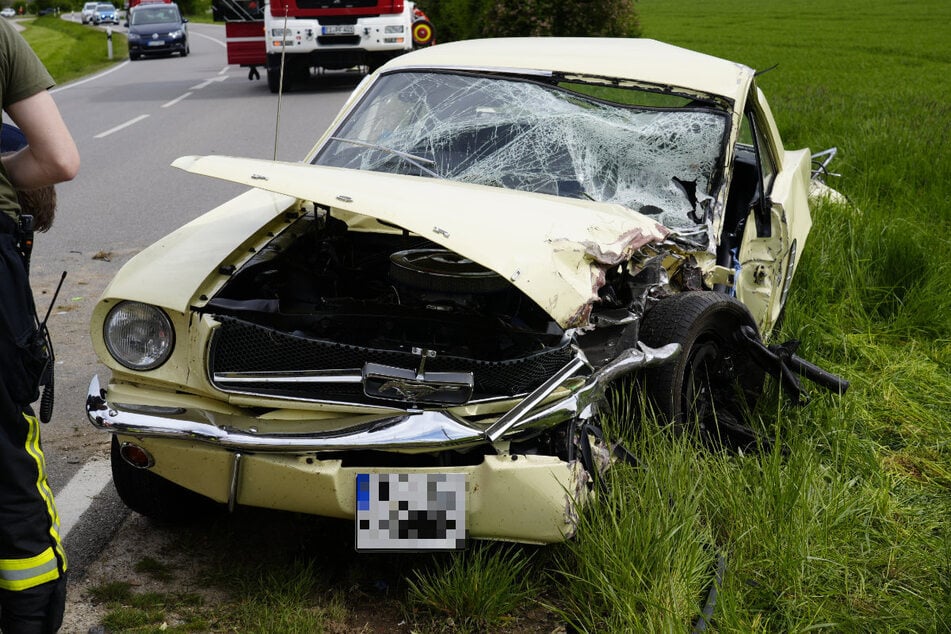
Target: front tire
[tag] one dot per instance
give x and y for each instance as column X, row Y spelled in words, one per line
column 714, row 383
column 274, row 80
column 153, row 496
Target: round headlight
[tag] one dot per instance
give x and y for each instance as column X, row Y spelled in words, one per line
column 138, row 336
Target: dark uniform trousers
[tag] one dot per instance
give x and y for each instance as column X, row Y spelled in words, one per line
column 32, row 559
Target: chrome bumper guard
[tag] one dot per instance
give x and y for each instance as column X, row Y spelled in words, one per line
column 412, row 430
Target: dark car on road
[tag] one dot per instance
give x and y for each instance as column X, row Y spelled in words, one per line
column 157, row 29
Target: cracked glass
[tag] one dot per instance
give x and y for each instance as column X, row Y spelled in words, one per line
column 538, row 136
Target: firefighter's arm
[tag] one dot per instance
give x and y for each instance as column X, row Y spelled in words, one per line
column 51, row 155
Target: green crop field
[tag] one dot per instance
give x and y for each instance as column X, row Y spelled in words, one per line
column 842, row 522
column 848, row 527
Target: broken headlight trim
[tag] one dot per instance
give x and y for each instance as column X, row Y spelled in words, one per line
column 138, row 336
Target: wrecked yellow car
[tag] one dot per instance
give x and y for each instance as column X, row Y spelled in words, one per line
column 414, row 327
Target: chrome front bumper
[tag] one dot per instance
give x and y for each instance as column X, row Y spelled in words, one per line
column 418, row 430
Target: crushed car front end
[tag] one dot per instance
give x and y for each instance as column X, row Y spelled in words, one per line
column 264, row 388
column 416, row 328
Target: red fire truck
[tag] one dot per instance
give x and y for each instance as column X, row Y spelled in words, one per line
column 132, row 3
column 299, row 35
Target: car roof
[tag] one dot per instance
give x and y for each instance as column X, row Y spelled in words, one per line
column 635, row 59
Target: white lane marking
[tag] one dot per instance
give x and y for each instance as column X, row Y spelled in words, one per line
column 208, row 37
column 209, row 82
column 88, row 79
column 176, row 100
column 80, row 491
column 223, row 70
column 122, row 126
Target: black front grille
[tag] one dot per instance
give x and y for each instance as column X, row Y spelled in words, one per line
column 242, row 346
column 330, row 20
column 332, row 4
column 339, row 40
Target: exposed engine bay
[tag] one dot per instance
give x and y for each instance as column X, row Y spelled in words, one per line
column 322, row 298
column 386, row 291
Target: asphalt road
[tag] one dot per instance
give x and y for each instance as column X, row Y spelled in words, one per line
column 130, row 123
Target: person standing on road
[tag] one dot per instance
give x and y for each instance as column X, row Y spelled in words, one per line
column 32, row 560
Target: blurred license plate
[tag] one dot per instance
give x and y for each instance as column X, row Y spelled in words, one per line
column 338, row 29
column 153, row 43
column 411, row 511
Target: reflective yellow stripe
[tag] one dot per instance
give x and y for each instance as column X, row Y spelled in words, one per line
column 20, row 574
column 35, row 451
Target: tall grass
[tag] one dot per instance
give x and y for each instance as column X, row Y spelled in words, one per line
column 842, row 522
column 644, row 551
column 476, row 588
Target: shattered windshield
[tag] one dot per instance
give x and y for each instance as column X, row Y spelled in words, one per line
column 537, row 137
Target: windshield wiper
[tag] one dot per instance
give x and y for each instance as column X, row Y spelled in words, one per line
column 417, row 161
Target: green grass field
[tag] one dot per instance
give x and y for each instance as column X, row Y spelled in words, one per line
column 841, row 524
column 849, row 528
column 72, row 50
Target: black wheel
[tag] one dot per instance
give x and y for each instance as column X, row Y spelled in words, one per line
column 154, row 496
column 714, row 383
column 274, row 80
column 375, row 60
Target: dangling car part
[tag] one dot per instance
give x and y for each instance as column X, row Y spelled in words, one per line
column 414, row 327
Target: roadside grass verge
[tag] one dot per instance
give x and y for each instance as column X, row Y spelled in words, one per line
column 840, row 520
column 131, row 611
column 290, row 599
column 476, row 590
column 70, row 50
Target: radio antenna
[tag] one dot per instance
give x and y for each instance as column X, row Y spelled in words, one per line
column 280, row 82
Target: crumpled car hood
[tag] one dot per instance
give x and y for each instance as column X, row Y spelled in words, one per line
column 555, row 250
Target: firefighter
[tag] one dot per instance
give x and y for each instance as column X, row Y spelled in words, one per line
column 32, row 560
